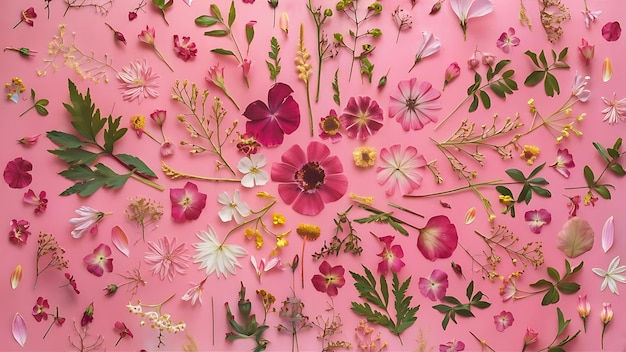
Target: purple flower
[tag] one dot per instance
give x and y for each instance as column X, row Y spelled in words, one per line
column 362, row 117
column 611, row 31
column 507, row 40
column 16, row 173
column 392, row 256
column 434, row 288
column 564, row 161
column 270, row 122
column 503, row 320
column 537, row 218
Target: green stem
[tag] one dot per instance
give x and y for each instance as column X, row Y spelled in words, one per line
column 261, row 213
column 470, row 186
column 147, row 182
column 27, row 110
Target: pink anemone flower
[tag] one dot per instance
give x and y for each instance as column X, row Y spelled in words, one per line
column 187, row 202
column 99, row 260
column 438, row 239
column 400, row 169
column 392, row 256
column 331, row 279
column 414, row 104
column 307, row 181
column 434, row 288
column 362, row 117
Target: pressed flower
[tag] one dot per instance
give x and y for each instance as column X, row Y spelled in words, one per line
column 452, row 346
column 606, row 315
column 166, row 258
column 88, row 218
column 278, row 219
column 138, row 81
column 590, row 16
column 530, row 337
column 467, row 9
column 402, row 19
column 252, row 169
column 39, row 310
column 415, row 104
column 185, row 48
column 530, row 153
column 138, row 123
column 253, row 234
column 119, row 36
column 247, row 144
column 507, row 40
column 438, row 239
column 29, row 140
column 611, row 31
column 503, row 320
column 331, row 279
column 233, row 208
column 122, row 330
column 187, row 202
column 308, row 181
column 16, row 173
column 362, row 117
column 434, row 288
column 537, row 218
column 564, row 161
column 99, row 260
column 452, row 72
column 586, row 51
column 27, row 16
column 508, row 289
column 166, row 149
column 19, row 231
column 194, row 294
column 71, row 282
column 18, row 328
column 616, row 109
column 364, row 156
column 578, row 88
column 264, row 265
column 584, row 309
column 215, row 256
column 16, row 276
column 268, row 123
column 488, row 59
column 430, row 45
column 400, row 169
column 87, row 315
column 147, row 36
column 40, row 202
column 573, row 204
column 391, row 256
column 216, row 76
column 612, row 275
column 473, row 62
column 283, row 22
column 329, row 127
column 607, row 70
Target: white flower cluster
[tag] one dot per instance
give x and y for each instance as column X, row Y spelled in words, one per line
column 157, row 321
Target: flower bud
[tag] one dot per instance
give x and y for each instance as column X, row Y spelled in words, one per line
column 375, row 32
column 328, row 12
column 606, row 315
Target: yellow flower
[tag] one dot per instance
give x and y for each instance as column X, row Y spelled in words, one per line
column 278, row 219
column 506, row 200
column 137, row 122
column 364, row 156
column 308, row 232
column 251, row 233
column 530, row 153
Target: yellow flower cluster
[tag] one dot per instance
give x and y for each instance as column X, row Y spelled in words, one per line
column 162, row 322
column 15, row 87
column 364, row 156
column 530, row 153
column 302, row 56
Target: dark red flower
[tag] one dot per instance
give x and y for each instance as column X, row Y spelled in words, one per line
column 185, row 48
column 269, row 124
column 611, row 31
column 71, row 282
column 41, row 202
column 331, row 279
column 87, row 315
column 39, row 310
column 123, row 330
column 19, row 231
column 132, row 15
column 16, row 173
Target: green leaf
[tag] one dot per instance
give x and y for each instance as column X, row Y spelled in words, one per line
column 464, row 312
column 223, row 52
column 505, row 88
column 532, row 56
column 541, row 283
column 562, row 323
column 617, row 169
column 516, row 175
column 589, row 177
column 536, row 170
column 232, row 14
column 613, row 153
column 384, row 290
column 511, row 83
column 92, row 180
column 249, row 34
column 484, row 98
column 41, row 110
column 442, row 308
column 556, row 349
column 552, row 296
column 551, row 85
column 206, row 21
column 216, row 12
column 497, row 90
column 577, row 268
column 542, row 59
column 603, row 191
column 86, row 118
column 534, row 78
column 542, row 192
column 335, row 84
column 563, row 53
column 489, row 74
column 481, row 304
column 568, row 287
column 474, row 104
column 504, row 191
column 554, row 274
column 112, row 134
column 64, row 140
column 469, row 290
column 601, row 150
column 451, row 299
column 538, row 181
column 525, row 194
column 217, row 33
column 75, row 155
column 618, row 144
column 136, row 163
column 500, row 65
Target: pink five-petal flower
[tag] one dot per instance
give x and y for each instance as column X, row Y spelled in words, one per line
column 611, row 31
column 414, row 104
column 331, row 279
column 99, row 260
column 503, row 320
column 434, row 288
column 268, row 123
column 16, row 173
column 507, row 40
column 39, row 309
column 166, row 258
column 537, row 218
column 392, row 256
column 40, row 203
column 590, row 16
column 452, row 346
column 564, row 161
column 586, row 51
column 438, row 239
column 400, row 169
column 185, row 48
column 19, row 231
column 187, row 202
column 307, row 181
column 362, row 117
column 466, row 9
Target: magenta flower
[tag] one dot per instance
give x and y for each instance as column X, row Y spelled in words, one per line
column 216, row 76
column 564, row 161
column 329, row 127
column 166, row 258
column 39, row 310
column 573, row 204
column 507, row 40
column 434, row 288
column 438, row 239
column 331, row 279
column 586, row 51
column 29, row 140
column 611, row 31
column 187, row 202
column 362, row 117
column 309, row 180
column 158, row 116
column 99, row 260
column 270, row 122
column 392, row 256
column 185, row 48
column 122, row 330
column 19, row 231
column 147, row 36
column 16, row 173
column 40, row 203
column 400, row 169
column 27, row 16
column 503, row 320
column 452, row 72
column 415, row 104
column 87, row 315
column 452, row 346
column 537, row 218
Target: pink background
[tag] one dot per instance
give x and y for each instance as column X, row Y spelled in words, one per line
column 92, row 34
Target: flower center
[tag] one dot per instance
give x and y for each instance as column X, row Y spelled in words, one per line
column 331, row 279
column 330, row 125
column 310, row 176
column 185, row 202
column 411, row 104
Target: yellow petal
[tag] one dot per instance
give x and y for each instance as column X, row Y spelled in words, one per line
column 16, row 276
column 607, row 70
column 470, row 215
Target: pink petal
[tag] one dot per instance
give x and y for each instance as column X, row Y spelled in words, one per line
column 19, row 329
column 438, row 239
column 308, row 203
column 120, row 240
column 608, row 233
column 575, row 238
column 479, row 8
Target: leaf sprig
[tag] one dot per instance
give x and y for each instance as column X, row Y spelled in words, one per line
column 38, row 104
column 350, row 242
column 163, row 6
column 461, row 309
column 72, row 149
column 386, row 218
column 274, row 65
column 405, row 314
column 562, row 324
column 550, row 83
column 531, row 184
column 249, row 328
column 559, row 284
column 611, row 157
